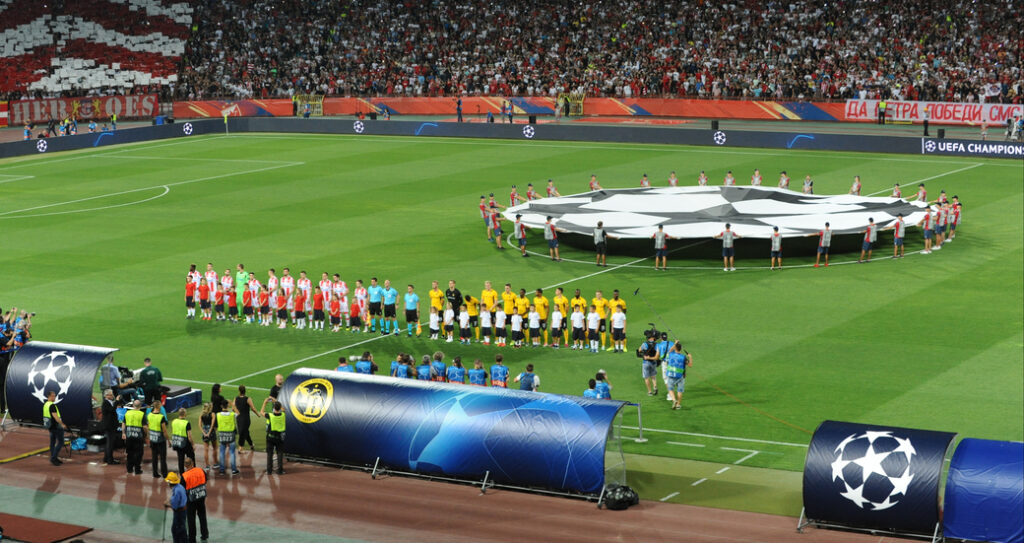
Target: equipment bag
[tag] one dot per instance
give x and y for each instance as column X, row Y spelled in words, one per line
column 619, row 497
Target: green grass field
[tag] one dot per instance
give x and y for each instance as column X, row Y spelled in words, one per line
column 97, row 243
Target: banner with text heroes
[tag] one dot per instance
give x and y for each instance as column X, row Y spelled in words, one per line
column 934, row 112
column 141, row 106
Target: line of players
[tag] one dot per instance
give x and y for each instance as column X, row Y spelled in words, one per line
column 498, row 318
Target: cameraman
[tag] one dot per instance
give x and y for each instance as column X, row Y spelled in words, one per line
column 110, row 378
column 649, row 353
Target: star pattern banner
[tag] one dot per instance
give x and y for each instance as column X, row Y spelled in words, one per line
column 702, row 212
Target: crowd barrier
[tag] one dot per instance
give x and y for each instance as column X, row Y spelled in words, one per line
column 530, row 132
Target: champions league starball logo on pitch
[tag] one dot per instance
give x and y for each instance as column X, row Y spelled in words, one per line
column 873, row 469
column 702, row 212
column 51, row 371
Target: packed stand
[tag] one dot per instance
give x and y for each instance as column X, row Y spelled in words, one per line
column 797, row 50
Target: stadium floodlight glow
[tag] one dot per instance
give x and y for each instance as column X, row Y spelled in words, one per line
column 702, row 212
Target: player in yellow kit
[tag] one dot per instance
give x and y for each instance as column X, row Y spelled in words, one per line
column 436, row 297
column 523, row 308
column 508, row 300
column 615, row 302
column 488, row 298
column 600, row 303
column 473, row 309
column 541, row 304
column 562, row 303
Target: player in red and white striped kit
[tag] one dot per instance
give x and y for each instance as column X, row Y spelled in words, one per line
column 272, row 283
column 896, row 192
column 594, row 185
column 673, row 181
column 339, row 290
column 783, row 180
column 729, row 180
column 193, row 274
column 305, row 287
column 227, row 281
column 211, row 276
column 288, row 287
column 644, row 182
column 326, row 287
column 360, row 294
column 755, row 180
column 702, row 179
column 856, row 186
column 954, row 219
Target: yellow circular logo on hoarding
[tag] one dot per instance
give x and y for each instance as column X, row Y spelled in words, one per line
column 310, row 400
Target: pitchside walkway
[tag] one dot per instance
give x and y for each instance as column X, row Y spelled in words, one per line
column 326, row 505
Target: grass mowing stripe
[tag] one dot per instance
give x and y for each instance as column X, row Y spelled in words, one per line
column 165, row 185
column 853, row 155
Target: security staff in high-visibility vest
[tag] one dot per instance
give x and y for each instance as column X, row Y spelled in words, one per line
column 55, row 424
column 226, row 432
column 881, row 111
column 194, row 480
column 181, row 439
column 158, row 438
column 275, row 439
column 131, row 431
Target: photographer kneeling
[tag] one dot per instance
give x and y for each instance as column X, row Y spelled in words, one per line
column 649, row 353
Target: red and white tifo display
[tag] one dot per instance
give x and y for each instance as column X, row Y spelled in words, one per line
column 96, row 45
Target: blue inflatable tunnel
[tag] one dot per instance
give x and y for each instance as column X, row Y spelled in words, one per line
column 522, row 438
column 985, row 492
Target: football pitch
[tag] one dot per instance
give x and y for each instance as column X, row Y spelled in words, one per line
column 98, row 243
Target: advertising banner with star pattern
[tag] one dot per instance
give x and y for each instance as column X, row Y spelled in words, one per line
column 69, row 370
column 875, row 477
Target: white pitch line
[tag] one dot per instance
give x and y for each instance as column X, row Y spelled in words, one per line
column 194, row 382
column 975, row 165
column 699, row 481
column 301, row 360
column 161, row 195
column 191, row 159
column 752, row 454
column 232, row 174
column 613, row 268
column 723, row 470
column 712, row 436
column 669, row 497
column 15, row 178
column 684, row 444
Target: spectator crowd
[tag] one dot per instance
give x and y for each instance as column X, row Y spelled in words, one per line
column 911, row 49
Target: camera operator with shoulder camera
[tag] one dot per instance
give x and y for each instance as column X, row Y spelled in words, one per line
column 648, row 351
column 117, row 379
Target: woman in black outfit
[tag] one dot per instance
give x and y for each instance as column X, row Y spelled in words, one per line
column 243, row 406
